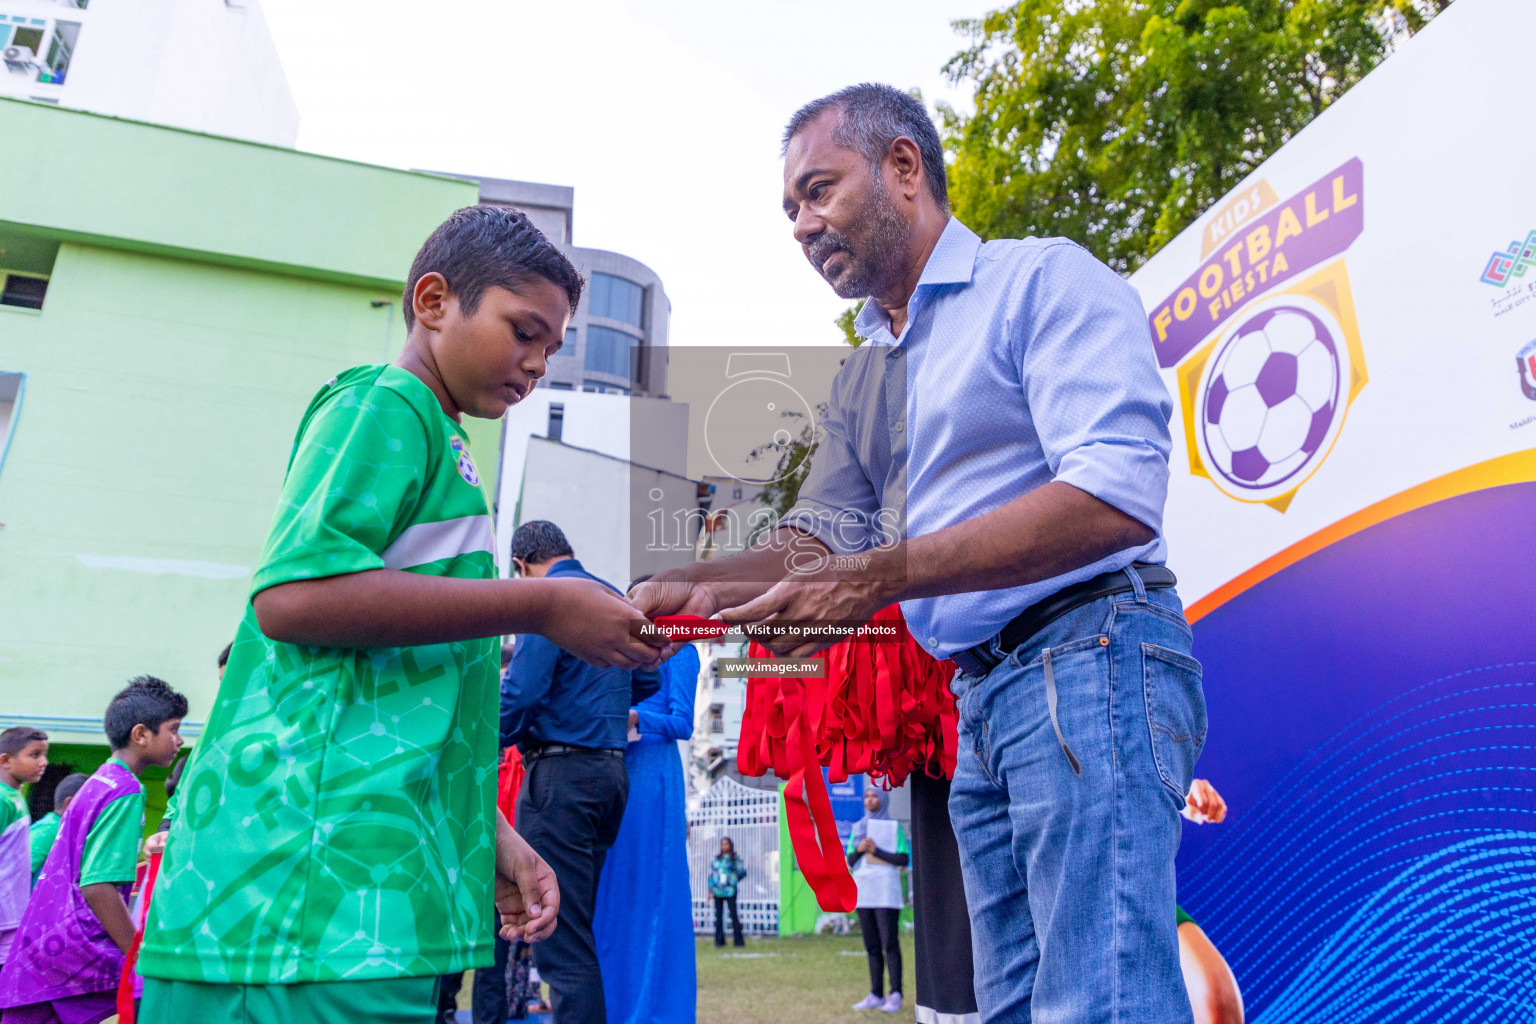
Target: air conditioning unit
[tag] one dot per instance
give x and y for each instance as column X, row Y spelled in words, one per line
column 20, row 58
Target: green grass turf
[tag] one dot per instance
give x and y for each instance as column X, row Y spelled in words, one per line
column 798, row 978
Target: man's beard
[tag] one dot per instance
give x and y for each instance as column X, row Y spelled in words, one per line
column 881, row 252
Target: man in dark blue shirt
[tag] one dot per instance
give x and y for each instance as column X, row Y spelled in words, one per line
column 571, row 722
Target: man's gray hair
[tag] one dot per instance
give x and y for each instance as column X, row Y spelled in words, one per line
column 870, row 118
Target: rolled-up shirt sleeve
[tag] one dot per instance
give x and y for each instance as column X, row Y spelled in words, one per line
column 1098, row 403
column 837, row 504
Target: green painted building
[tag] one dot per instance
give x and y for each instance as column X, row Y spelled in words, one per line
column 169, row 302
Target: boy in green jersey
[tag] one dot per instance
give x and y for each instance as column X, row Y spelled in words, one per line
column 46, row 829
column 337, row 846
column 23, row 759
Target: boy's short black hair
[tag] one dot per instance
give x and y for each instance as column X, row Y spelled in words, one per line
column 482, row 247
column 539, row 540
column 145, row 701
column 15, row 739
column 224, row 654
column 68, row 786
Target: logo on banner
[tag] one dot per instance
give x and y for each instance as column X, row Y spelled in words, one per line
column 1526, row 361
column 1513, row 262
column 1269, row 399
column 1264, row 338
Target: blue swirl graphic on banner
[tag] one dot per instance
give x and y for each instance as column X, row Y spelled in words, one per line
column 1379, row 863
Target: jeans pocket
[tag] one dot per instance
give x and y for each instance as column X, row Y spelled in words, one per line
column 1175, row 714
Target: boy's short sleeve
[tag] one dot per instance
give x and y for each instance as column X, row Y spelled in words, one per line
column 12, row 808
column 111, row 851
column 357, row 472
column 44, row 831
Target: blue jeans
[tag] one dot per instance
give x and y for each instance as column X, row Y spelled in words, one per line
column 1068, row 858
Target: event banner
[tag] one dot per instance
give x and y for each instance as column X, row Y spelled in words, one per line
column 1350, row 341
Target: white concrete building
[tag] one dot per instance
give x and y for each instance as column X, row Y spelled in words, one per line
column 611, row 470
column 203, row 65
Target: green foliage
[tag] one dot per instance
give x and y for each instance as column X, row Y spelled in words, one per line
column 1117, row 122
column 844, row 323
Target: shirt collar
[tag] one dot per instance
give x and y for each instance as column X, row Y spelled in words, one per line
column 953, row 261
column 565, row 565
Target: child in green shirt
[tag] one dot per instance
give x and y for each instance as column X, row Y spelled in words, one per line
column 46, row 828
column 337, row 846
column 23, row 759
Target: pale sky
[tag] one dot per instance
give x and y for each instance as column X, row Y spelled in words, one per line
column 663, row 114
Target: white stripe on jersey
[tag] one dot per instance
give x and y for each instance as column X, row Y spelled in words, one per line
column 431, row 542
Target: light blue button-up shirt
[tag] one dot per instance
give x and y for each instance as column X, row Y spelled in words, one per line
column 1022, row 362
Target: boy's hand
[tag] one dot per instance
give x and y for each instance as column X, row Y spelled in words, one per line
column 527, row 894
column 1204, row 804
column 592, row 622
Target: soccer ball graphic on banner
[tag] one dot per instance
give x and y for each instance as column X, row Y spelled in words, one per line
column 1271, row 401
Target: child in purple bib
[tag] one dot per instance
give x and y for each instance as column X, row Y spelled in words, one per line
column 67, row 956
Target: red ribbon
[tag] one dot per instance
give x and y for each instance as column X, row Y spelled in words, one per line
column 883, row 710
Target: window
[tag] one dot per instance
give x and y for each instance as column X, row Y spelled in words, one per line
column 568, row 344
column 608, row 351
column 556, row 421
column 23, row 290
column 736, row 493
column 617, row 299
column 10, row 402
column 716, row 718
column 31, row 38
column 560, row 385
column 59, row 52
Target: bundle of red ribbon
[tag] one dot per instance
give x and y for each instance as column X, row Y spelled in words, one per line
column 884, row 709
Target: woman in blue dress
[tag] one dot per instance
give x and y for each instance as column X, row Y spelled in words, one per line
column 643, row 922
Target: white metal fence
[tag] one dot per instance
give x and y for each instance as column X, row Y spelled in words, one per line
column 750, row 817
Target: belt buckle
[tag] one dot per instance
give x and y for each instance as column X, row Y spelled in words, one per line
column 980, row 659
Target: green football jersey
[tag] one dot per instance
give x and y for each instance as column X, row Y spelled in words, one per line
column 338, row 820
column 111, row 852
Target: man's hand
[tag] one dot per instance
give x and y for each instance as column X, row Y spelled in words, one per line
column 527, row 894
column 1204, row 804
column 155, row 844
column 824, row 596
column 634, row 719
column 592, row 622
column 661, row 595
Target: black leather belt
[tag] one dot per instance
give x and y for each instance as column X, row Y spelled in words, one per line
column 990, row 653
column 534, row 752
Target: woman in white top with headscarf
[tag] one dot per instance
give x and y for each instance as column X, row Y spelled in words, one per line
column 877, row 855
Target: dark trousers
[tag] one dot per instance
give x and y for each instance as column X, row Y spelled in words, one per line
column 569, row 811
column 448, row 996
column 882, row 941
column 940, row 919
column 489, row 995
column 721, row 902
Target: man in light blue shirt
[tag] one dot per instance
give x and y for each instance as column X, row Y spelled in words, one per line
column 996, row 458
